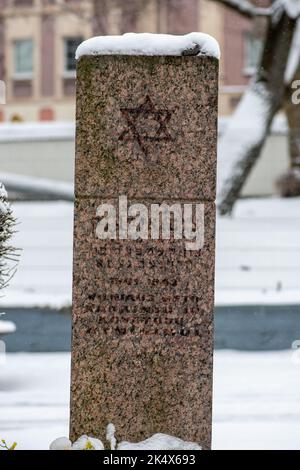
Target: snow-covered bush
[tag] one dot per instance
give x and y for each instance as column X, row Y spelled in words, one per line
column 7, row 252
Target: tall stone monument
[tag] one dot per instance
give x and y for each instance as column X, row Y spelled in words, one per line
column 144, row 242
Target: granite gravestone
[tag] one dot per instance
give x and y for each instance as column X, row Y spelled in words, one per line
column 142, row 348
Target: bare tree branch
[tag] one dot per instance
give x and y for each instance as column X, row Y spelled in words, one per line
column 246, row 134
column 246, row 8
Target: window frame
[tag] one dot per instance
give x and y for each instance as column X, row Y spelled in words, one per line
column 69, row 73
column 249, row 40
column 19, row 74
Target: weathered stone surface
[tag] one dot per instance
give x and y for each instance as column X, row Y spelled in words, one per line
column 147, row 127
column 142, row 333
column 143, row 309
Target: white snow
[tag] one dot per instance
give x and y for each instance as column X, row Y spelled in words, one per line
column 44, row 274
column 110, row 436
column 160, row 442
column 149, row 44
column 61, row 443
column 7, row 327
column 246, row 129
column 59, row 189
column 86, row 442
column 36, row 131
column 256, row 400
column 4, row 206
column 292, row 7
column 279, row 124
column 156, row 442
column 3, row 192
column 294, row 56
column 258, row 254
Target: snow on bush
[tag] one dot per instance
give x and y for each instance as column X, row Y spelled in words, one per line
column 83, row 443
column 7, row 252
column 156, row 442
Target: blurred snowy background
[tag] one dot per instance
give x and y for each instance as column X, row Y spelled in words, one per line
column 257, row 322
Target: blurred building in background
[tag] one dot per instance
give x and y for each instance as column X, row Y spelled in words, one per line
column 38, row 39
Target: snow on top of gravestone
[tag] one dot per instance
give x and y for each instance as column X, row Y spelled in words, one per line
column 149, row 44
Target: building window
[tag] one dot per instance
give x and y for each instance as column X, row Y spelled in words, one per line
column 253, row 51
column 71, row 45
column 23, row 59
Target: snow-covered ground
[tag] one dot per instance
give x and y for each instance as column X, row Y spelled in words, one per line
column 256, row 395
column 256, row 400
column 258, row 254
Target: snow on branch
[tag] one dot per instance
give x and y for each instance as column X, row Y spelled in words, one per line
column 246, row 8
column 245, row 134
column 294, row 57
column 292, row 7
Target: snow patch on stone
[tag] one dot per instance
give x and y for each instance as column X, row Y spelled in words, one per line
column 160, row 442
column 149, row 44
column 156, row 442
column 110, row 436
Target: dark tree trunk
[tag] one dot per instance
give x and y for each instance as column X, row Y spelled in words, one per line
column 241, row 146
column 289, row 183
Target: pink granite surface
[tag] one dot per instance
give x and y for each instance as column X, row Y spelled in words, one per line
column 147, row 127
column 142, row 347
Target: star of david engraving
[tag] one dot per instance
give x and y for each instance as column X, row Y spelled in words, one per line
column 154, row 121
